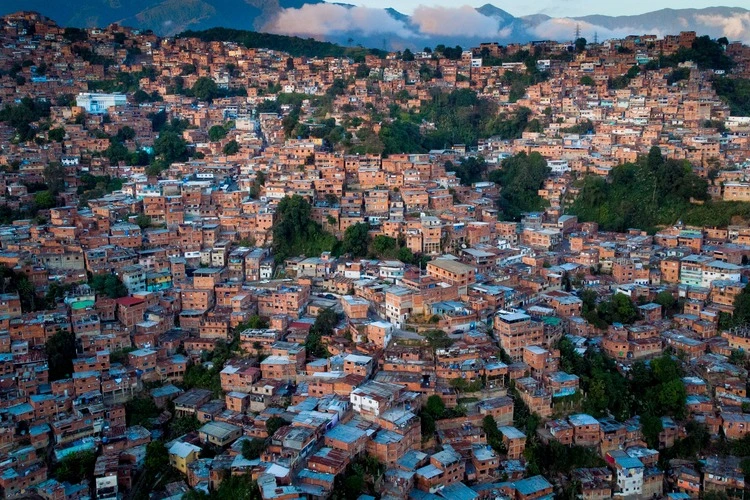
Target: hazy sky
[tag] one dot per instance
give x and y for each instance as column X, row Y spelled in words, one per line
column 560, row 8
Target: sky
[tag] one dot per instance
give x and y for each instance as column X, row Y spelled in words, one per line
column 559, row 8
column 367, row 21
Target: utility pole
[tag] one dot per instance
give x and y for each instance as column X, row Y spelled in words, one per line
column 596, row 38
column 578, row 32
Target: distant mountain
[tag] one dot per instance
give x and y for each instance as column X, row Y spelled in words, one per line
column 381, row 28
column 165, row 17
column 666, row 19
column 398, row 16
column 490, row 10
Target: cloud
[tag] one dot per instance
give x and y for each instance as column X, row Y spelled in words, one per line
column 564, row 28
column 736, row 27
column 454, row 21
column 505, row 32
column 319, row 20
column 439, row 24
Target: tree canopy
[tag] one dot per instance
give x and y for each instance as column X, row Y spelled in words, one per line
column 295, row 233
column 618, row 309
column 231, row 148
column 323, row 327
column 470, row 170
column 520, row 177
column 109, row 285
column 356, row 239
column 735, row 92
column 205, row 89
column 61, row 351
column 653, row 390
column 292, row 45
column 21, row 116
column 217, row 133
column 171, row 147
column 650, row 192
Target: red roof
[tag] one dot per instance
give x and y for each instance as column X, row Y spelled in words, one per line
column 300, row 325
column 129, row 301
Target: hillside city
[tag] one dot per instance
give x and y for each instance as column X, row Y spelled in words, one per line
column 248, row 266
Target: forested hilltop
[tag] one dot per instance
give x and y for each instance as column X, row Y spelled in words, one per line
column 292, row 45
column 649, row 193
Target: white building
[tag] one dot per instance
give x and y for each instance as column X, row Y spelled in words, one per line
column 719, row 270
column 98, row 104
column 373, row 398
column 558, row 166
column 629, row 475
column 134, row 278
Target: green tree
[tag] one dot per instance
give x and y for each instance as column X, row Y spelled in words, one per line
column 438, row 339
column 157, row 457
column 356, row 239
column 61, row 351
column 75, row 467
column 23, row 115
column 116, row 152
column 45, row 199
column 470, row 170
column 231, row 148
column 666, row 300
column 255, row 322
column 587, row 81
column 363, row 71
column 140, row 96
column 651, row 427
column 204, row 378
column 385, row 247
column 252, row 448
column 494, row 436
column 401, row 137
column 405, row 255
column 56, row 134
column 435, row 406
column 205, row 89
column 109, row 285
column 143, row 221
column 140, row 411
column 120, row 355
column 217, row 133
column 54, row 177
column 295, row 233
column 428, row 425
column 18, row 282
column 741, row 313
column 323, row 327
column 620, row 309
column 521, row 176
column 171, row 147
column 274, row 423
column 125, row 133
column 645, row 194
column 183, row 425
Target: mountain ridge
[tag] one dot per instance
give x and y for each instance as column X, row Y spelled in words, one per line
column 388, row 27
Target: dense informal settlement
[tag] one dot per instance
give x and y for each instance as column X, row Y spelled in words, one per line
column 236, row 272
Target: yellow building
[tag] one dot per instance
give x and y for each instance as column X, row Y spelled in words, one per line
column 183, row 454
